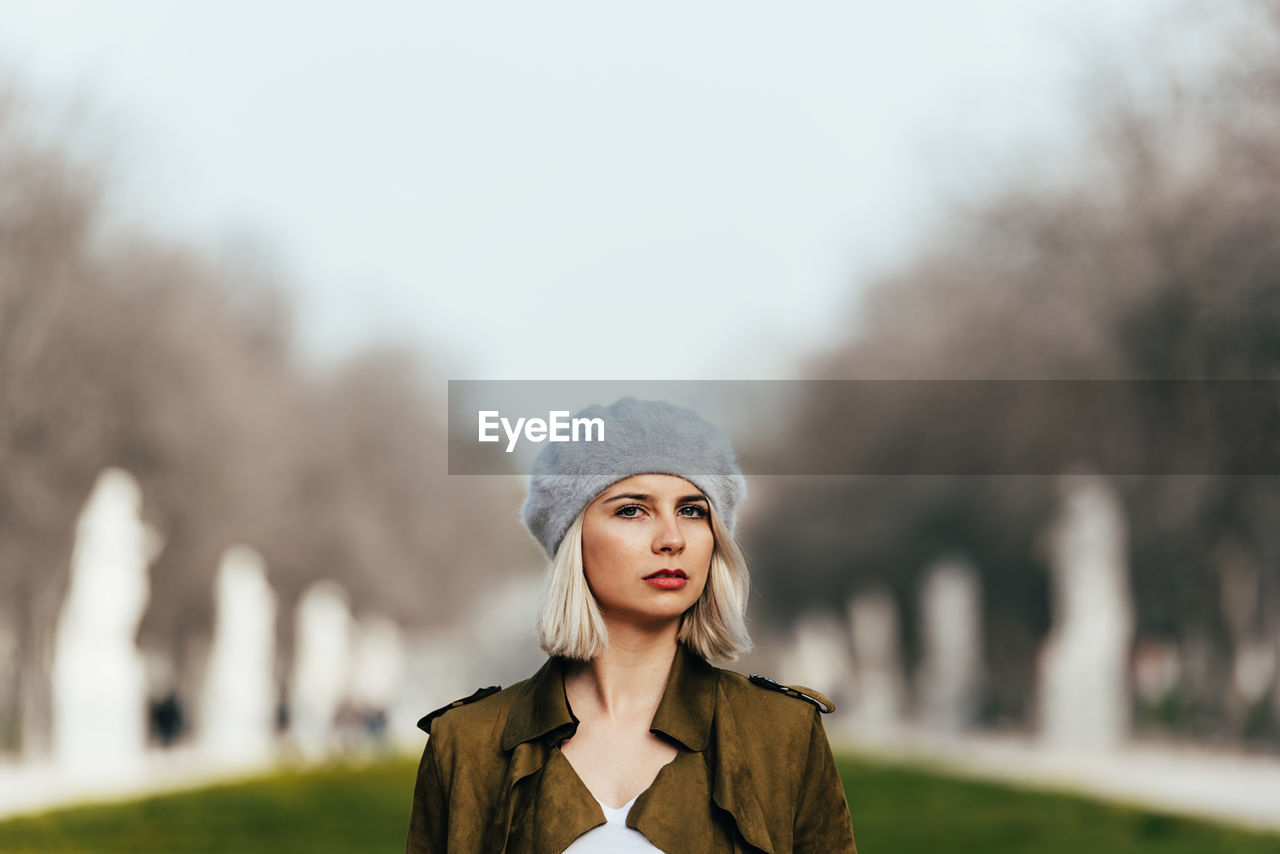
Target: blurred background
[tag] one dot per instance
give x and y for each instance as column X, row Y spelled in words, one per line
column 243, row 247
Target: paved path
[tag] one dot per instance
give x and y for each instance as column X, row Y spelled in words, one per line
column 1218, row 785
column 38, row 787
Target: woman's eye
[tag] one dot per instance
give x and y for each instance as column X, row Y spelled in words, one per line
column 699, row 512
column 631, row 511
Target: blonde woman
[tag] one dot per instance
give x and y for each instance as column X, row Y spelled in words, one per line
column 628, row 739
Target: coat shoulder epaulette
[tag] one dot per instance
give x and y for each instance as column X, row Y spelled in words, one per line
column 424, row 723
column 822, row 701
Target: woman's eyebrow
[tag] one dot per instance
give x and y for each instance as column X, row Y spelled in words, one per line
column 638, row 496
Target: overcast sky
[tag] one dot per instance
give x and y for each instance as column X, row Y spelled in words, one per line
column 664, row 190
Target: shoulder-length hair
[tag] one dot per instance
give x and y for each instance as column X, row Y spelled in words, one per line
column 715, row 627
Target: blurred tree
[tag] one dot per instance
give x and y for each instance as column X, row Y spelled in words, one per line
column 117, row 348
column 1153, row 257
column 50, row 427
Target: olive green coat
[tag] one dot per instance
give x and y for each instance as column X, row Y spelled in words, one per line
column 754, row 772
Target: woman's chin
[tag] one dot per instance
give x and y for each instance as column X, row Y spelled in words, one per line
column 650, row 621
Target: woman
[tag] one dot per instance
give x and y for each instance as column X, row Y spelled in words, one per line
column 627, row 740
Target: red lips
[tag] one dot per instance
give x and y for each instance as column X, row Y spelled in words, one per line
column 667, row 573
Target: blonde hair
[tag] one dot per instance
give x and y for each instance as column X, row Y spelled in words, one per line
column 715, row 627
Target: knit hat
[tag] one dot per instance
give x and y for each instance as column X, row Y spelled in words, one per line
column 640, row 437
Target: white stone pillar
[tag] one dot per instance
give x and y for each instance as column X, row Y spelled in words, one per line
column 1084, row 691
column 881, row 688
column 98, row 673
column 240, row 696
column 322, row 655
column 949, row 681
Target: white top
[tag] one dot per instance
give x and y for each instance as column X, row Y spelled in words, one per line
column 613, row 837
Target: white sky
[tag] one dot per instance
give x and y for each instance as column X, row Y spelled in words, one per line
column 567, row 190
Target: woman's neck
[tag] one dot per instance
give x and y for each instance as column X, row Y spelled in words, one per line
column 628, row 678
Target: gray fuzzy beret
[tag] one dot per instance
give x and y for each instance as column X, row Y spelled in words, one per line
column 640, row 437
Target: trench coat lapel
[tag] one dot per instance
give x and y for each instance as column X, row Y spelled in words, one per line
column 733, row 787
column 688, row 705
column 543, row 709
column 691, row 713
column 538, row 720
column 526, row 760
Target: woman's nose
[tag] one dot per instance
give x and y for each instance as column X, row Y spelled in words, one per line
column 669, row 537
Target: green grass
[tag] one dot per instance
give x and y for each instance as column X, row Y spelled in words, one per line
column 332, row 810
column 905, row 810
column 896, row 809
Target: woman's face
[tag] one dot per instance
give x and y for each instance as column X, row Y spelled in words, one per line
column 646, row 547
